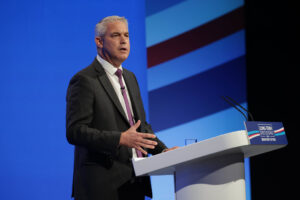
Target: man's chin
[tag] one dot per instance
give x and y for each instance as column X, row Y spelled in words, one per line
column 122, row 58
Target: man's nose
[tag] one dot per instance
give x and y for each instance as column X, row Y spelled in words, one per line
column 124, row 39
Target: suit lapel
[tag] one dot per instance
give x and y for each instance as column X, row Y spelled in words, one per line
column 109, row 89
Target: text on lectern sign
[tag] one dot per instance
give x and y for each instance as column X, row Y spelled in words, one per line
column 266, row 132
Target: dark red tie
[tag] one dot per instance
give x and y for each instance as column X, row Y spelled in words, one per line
column 119, row 74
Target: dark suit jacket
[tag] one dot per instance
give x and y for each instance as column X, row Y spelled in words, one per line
column 94, row 122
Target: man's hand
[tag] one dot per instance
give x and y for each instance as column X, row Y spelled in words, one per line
column 132, row 138
column 170, row 149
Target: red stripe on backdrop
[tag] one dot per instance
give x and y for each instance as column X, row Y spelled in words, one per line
column 196, row 38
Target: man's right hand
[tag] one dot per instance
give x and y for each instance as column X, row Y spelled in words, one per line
column 132, row 138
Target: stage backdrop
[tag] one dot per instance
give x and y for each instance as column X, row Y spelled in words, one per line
column 43, row 44
column 195, row 53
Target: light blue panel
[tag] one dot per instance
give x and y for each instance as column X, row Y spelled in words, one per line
column 185, row 16
column 163, row 187
column 248, row 179
column 197, row 61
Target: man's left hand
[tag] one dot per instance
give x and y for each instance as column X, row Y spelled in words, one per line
column 170, row 149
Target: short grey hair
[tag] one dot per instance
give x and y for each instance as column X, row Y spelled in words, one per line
column 102, row 25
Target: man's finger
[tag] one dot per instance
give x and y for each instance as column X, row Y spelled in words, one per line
column 137, row 124
column 170, row 149
column 148, row 146
column 147, row 135
column 142, row 150
column 151, row 142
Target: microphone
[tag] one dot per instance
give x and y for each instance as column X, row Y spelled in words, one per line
column 235, row 104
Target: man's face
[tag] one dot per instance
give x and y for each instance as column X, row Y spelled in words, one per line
column 114, row 45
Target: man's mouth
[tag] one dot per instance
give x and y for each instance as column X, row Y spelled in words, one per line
column 123, row 49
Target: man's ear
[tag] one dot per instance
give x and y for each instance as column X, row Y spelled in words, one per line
column 99, row 41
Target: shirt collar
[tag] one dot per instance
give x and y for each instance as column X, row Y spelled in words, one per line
column 109, row 68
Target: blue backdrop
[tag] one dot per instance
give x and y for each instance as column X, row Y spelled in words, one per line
column 44, row 43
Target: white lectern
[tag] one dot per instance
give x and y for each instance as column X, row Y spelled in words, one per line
column 211, row 169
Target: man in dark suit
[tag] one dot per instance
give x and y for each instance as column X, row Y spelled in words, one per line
column 106, row 121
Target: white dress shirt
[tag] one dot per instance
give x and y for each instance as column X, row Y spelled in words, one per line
column 110, row 72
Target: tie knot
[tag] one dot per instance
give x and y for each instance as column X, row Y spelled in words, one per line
column 119, row 73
